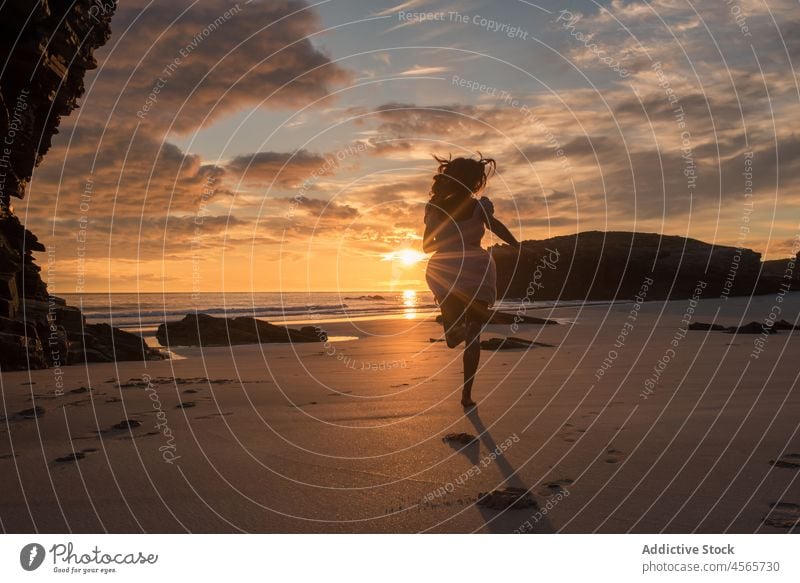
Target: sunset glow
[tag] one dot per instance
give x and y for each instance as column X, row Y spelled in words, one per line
column 407, row 257
column 250, row 183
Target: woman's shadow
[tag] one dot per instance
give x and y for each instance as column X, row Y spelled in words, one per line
column 524, row 520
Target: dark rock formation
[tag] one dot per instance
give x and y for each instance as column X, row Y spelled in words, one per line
column 786, row 269
column 47, row 46
column 703, row 326
column 204, row 330
column 751, row 328
column 321, row 335
column 596, row 265
column 375, row 297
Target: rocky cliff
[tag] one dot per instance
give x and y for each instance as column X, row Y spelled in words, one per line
column 596, row 265
column 46, row 47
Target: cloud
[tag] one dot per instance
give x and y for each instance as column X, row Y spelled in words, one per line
column 282, row 169
column 173, row 68
column 586, row 149
column 207, row 59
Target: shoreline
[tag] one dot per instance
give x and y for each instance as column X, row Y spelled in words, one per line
column 411, row 314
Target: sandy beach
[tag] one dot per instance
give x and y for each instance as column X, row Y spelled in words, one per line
column 348, row 437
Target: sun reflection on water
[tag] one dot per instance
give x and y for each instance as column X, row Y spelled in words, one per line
column 410, row 303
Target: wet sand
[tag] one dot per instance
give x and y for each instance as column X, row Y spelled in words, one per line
column 650, row 430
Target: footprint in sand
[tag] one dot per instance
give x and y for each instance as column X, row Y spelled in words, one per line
column 119, row 430
column 550, row 488
column 614, row 456
column 8, row 456
column 784, row 515
column 569, row 433
column 185, row 405
column 790, row 461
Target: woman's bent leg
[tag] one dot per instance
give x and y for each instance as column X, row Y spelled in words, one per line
column 453, row 317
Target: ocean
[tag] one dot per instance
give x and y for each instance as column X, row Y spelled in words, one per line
column 141, row 313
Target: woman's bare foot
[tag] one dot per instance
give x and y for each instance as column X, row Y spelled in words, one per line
column 467, row 402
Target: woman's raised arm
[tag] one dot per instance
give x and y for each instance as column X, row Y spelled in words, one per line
column 494, row 224
column 499, row 229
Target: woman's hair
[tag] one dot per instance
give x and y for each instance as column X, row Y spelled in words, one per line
column 457, row 180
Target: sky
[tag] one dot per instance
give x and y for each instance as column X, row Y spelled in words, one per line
column 286, row 146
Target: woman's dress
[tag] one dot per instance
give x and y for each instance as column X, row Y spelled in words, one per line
column 461, row 266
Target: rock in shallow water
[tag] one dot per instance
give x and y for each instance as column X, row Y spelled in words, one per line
column 204, row 330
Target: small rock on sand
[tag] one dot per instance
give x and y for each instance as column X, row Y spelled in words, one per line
column 72, row 457
column 703, row 326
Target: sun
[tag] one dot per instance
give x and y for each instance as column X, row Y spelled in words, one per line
column 405, row 256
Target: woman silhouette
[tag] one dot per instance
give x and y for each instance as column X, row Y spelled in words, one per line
column 461, row 274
